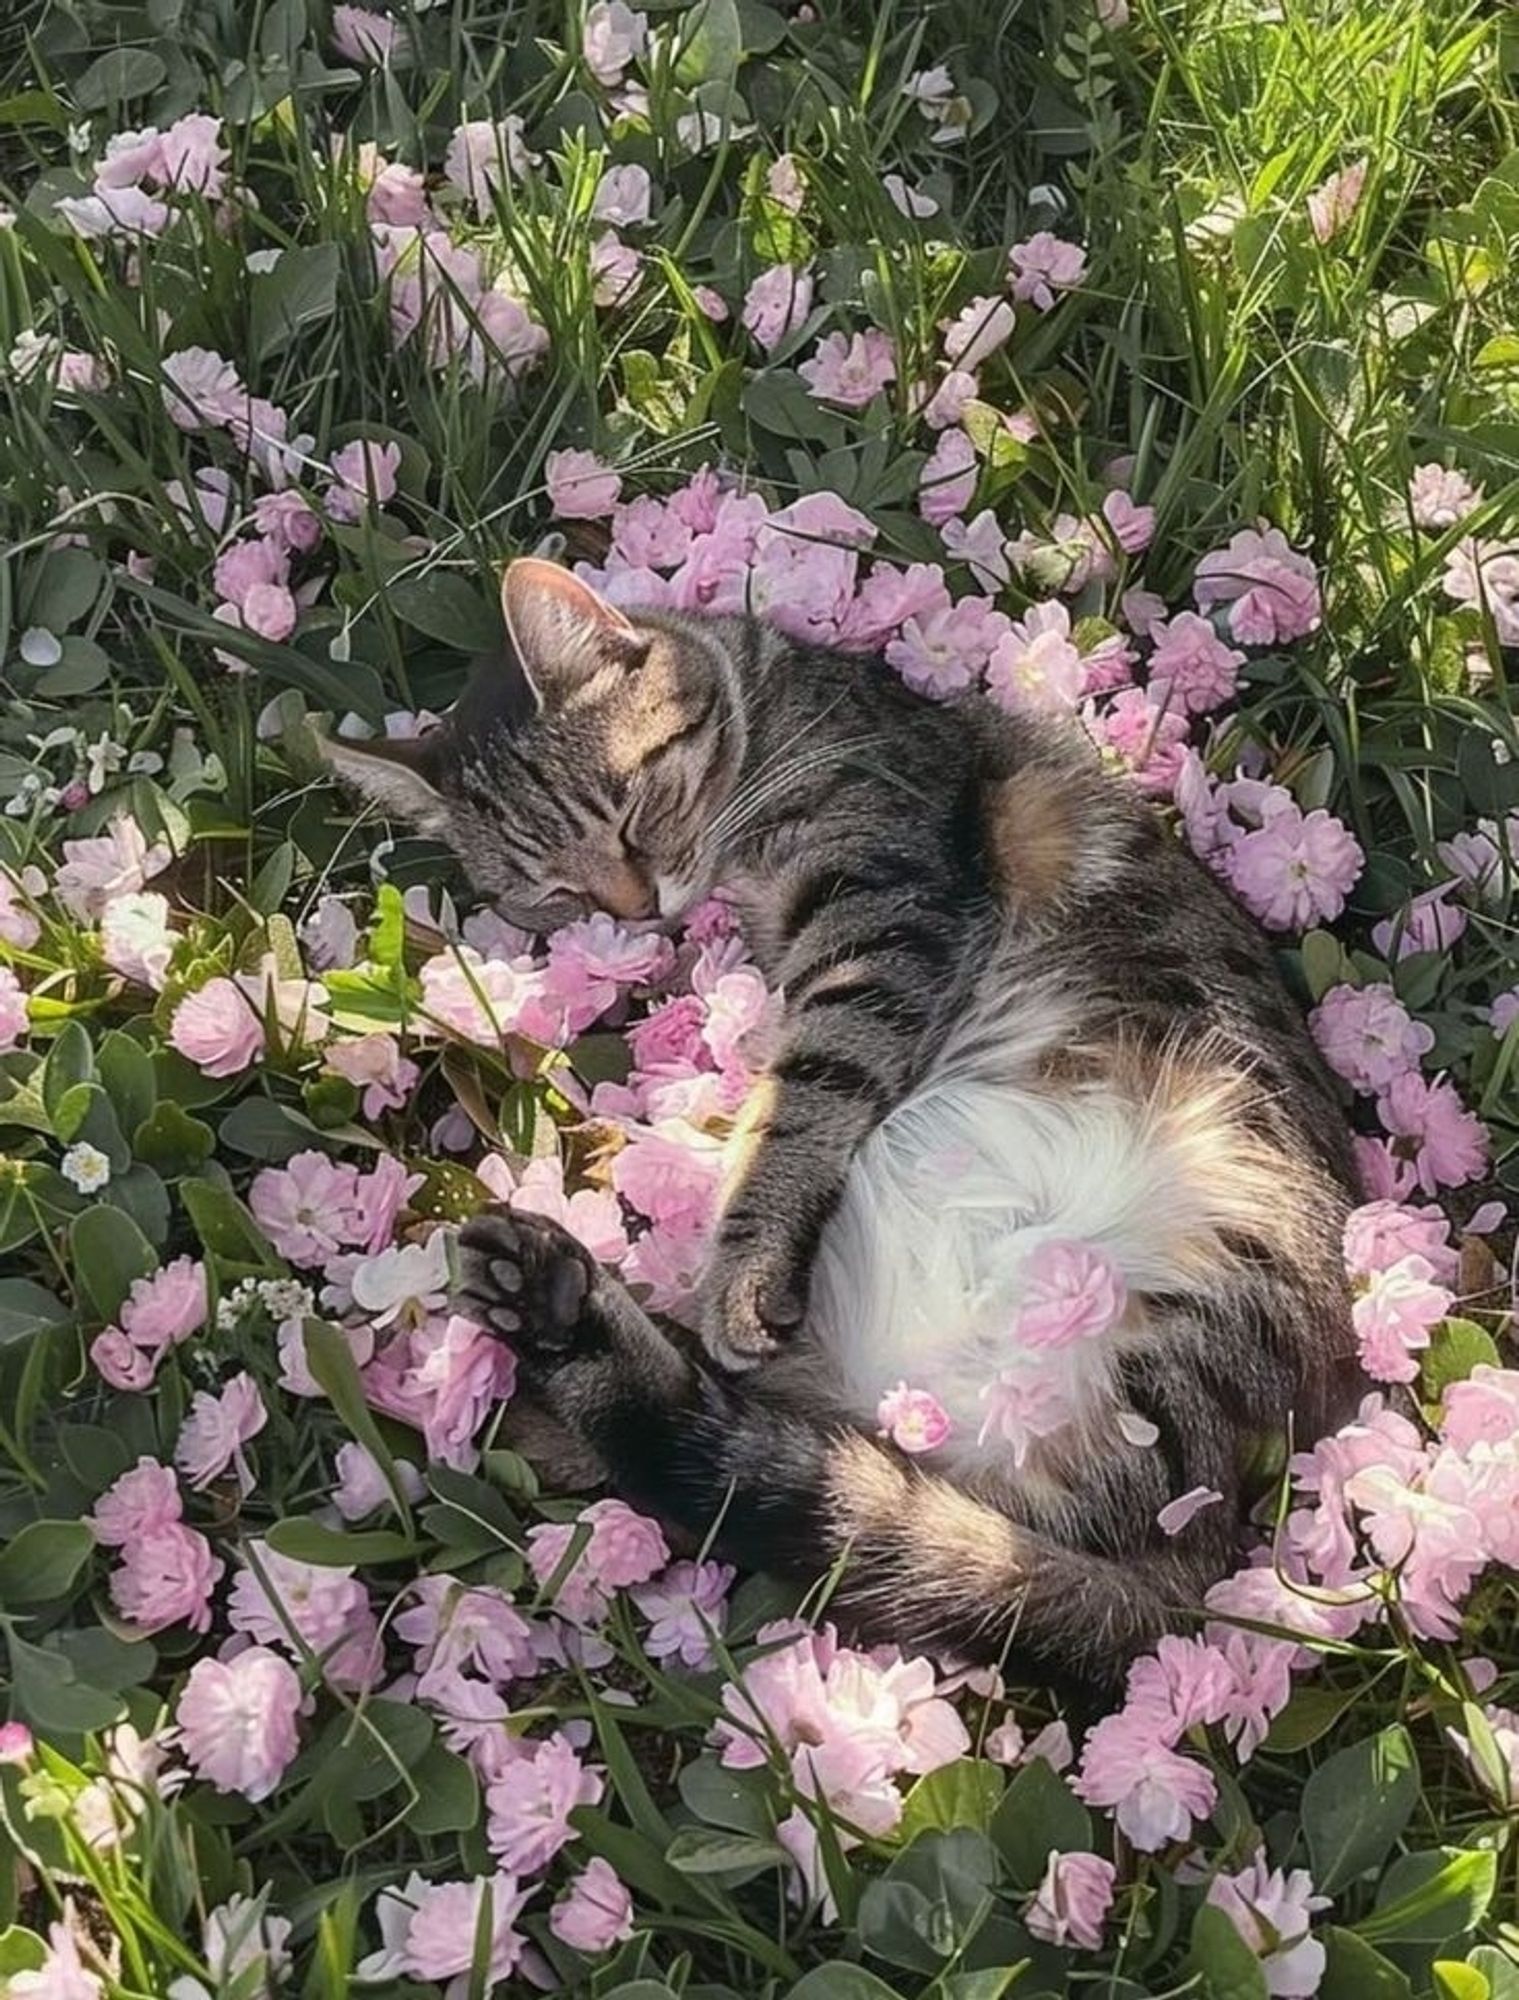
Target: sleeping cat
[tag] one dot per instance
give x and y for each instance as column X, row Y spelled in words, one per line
column 1030, row 1055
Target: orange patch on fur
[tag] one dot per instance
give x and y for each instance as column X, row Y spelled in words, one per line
column 1031, row 837
column 747, row 1136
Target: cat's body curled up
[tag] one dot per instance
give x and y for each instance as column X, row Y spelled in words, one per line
column 1025, row 1040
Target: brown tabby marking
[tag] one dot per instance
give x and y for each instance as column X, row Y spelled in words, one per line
column 1032, row 839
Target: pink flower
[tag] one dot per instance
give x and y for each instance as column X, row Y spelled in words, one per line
column 851, row 372
column 528, row 1809
column 1439, row 499
column 1042, row 266
column 63, row 1974
column 362, row 1487
column 201, row 389
column 213, row 1434
column 135, row 938
column 1151, row 740
column 1486, row 574
column 166, row 1308
column 615, row 266
column 16, row 1743
column 136, row 1504
column 1191, row 668
column 1132, row 526
column 363, row 475
column 19, row 924
column 1380, row 1232
column 121, row 1362
column 1071, row 1902
column 307, row 1208
column 973, row 336
column 1025, row 1402
column 1451, row 1142
column 687, row 1606
column 191, row 155
column 1393, row 1318
column 1367, row 1035
column 1178, row 1513
column 1429, row 923
column 376, row 1063
column 595, row 1912
column 614, row 35
column 236, row 1721
column 622, row 1548
column 622, row 197
column 166, row 1578
column 1504, row 1011
column 1296, row 869
column 1330, row 208
column 444, row 1924
column 947, row 483
column 1071, row 1291
column 1484, row 1409
column 13, row 1016
column 776, row 304
column 216, row 1029
column 1271, row 1912
column 914, row 1419
column 1156, row 1794
column 670, row 1173
column 444, row 1376
column 287, row 520
column 116, row 863
column 1037, row 666
column 363, row 37
column 307, row 1607
column 580, row 486
column 1272, row 591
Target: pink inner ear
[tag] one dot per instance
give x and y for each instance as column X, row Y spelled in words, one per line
column 533, row 590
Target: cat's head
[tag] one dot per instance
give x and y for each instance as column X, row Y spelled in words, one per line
column 583, row 770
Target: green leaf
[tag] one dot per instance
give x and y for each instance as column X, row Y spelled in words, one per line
column 705, row 1850
column 1455, row 1981
column 42, row 1560
column 305, row 1540
column 65, row 586
column 777, row 400
column 450, row 1793
column 226, row 1226
column 109, row 1253
column 932, row 1900
column 1323, row 962
column 1427, row 1898
column 1455, row 1348
column 1218, row 1958
column 172, row 1142
column 20, row 1951
column 449, row 607
column 70, row 1063
column 1310, row 1715
column 331, row 1362
column 1356, row 1804
column 1498, row 1968
column 964, row 1793
column 299, row 292
column 1354, row 1971
column 713, row 49
column 26, row 1308
column 839, row 1980
column 118, row 74
column 1039, row 1812
column 126, row 1071
column 46, row 1692
column 264, row 1130
column 734, row 1800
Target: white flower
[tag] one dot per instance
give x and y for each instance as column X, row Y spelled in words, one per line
column 408, row 1281
column 86, row 1166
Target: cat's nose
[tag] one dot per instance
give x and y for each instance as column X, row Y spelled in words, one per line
column 626, row 891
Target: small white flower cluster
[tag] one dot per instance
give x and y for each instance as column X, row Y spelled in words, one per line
column 280, row 1298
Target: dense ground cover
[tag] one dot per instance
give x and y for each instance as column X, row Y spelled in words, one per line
column 1154, row 362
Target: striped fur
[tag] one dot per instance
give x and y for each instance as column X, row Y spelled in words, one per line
column 1014, row 1009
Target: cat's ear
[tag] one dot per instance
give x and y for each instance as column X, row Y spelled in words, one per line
column 400, row 775
column 564, row 635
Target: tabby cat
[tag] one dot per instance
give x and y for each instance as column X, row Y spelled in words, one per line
column 1016, row 1012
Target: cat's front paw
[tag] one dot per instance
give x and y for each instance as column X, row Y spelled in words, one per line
column 753, row 1302
column 528, row 1279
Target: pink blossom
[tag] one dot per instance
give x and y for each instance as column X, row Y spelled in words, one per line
column 483, row 156
column 981, row 327
column 670, row 1173
column 216, row 1029
column 615, row 267
column 16, row 1743
column 1132, row 526
column 444, row 1924
column 1296, row 868
column 947, row 483
column 201, row 389
column 362, row 36
column 376, row 1063
column 776, row 304
column 1484, row 1409
column 614, row 36
column 236, row 1721
column 1071, row 1291
column 1393, row 1318
column 592, row 1215
column 1042, row 266
column 622, row 1548
column 1439, row 499
column 982, row 544
column 1271, row 1911
column 687, row 1606
column 914, row 1419
column 308, row 1207
column 580, row 486
column 166, row 1578
column 136, row 1504
column 247, row 563
column 1151, row 740
column 1429, row 923
column 63, row 1974
column 19, row 924
column 1071, row 1902
column 1380, row 1232
column 1486, row 574
column 13, row 1016
column 1037, row 665
column 363, row 475
column 948, row 403
column 214, row 1432
column 166, row 1308
column 1025, row 1402
column 121, row 1362
column 303, row 1608
column 444, row 1376
column 1155, row 1793
column 1367, row 1036
column 622, row 196
column 1184, row 1509
column 395, row 192
column 287, row 520
column 1272, row 591
column 135, row 938
column 116, row 863
column 851, row 371
column 1504, row 1011
column 1191, row 668
column 1451, row 1142
column 1330, row 207
column 595, row 1912
column 528, row 1810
